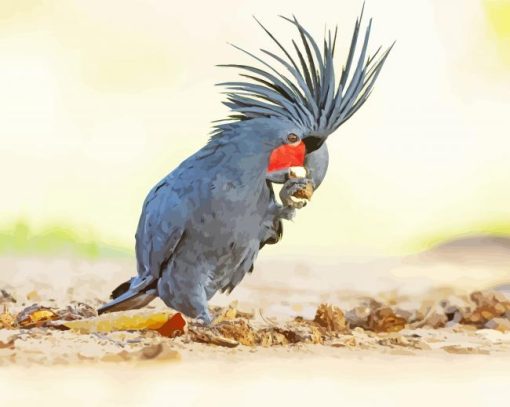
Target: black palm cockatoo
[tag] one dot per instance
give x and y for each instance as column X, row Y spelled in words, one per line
column 203, row 225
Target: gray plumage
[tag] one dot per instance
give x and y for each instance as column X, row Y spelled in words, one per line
column 202, row 226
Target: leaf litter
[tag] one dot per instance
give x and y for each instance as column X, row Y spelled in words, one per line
column 371, row 324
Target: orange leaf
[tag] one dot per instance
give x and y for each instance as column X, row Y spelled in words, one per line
column 173, row 327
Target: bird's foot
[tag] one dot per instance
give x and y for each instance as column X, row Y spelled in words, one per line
column 204, row 319
column 296, row 192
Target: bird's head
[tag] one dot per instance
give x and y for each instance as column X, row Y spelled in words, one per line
column 299, row 103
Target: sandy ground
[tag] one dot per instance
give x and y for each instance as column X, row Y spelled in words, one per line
column 416, row 365
column 273, row 378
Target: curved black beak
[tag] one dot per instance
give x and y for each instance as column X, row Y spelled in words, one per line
column 313, row 143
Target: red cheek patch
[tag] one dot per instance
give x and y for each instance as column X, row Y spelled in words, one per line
column 287, row 156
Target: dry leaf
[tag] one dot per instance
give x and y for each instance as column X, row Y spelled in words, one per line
column 359, row 316
column 489, row 305
column 7, row 320
column 35, row 315
column 291, row 335
column 201, row 336
column 385, row 320
column 271, row 337
column 316, row 336
column 174, row 326
column 119, row 321
column 303, row 331
column 500, row 324
column 77, row 310
column 238, row 330
column 245, row 315
column 228, row 314
column 332, row 318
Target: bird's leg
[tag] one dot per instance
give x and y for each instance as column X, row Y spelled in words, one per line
column 204, row 319
column 300, row 188
column 190, row 299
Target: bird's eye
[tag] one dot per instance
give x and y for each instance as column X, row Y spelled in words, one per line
column 293, row 138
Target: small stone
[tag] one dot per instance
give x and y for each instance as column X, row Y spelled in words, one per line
column 454, row 307
column 436, row 317
column 358, row 316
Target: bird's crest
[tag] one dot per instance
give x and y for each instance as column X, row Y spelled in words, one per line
column 310, row 96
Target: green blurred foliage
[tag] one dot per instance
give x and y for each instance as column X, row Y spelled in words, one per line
column 496, row 229
column 20, row 239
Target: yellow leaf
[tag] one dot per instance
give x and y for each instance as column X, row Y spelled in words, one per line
column 228, row 314
column 35, row 315
column 119, row 322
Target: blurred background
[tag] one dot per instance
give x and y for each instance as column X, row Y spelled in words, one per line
column 99, row 100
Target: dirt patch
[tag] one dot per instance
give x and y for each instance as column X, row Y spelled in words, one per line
column 73, row 333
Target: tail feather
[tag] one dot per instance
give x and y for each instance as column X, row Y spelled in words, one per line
column 121, row 289
column 124, row 298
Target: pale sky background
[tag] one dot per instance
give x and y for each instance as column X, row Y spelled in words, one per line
column 101, row 99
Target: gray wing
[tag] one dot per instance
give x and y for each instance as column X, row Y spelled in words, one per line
column 157, row 237
column 160, row 229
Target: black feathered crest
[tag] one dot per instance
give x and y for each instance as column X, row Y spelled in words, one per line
column 309, row 96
